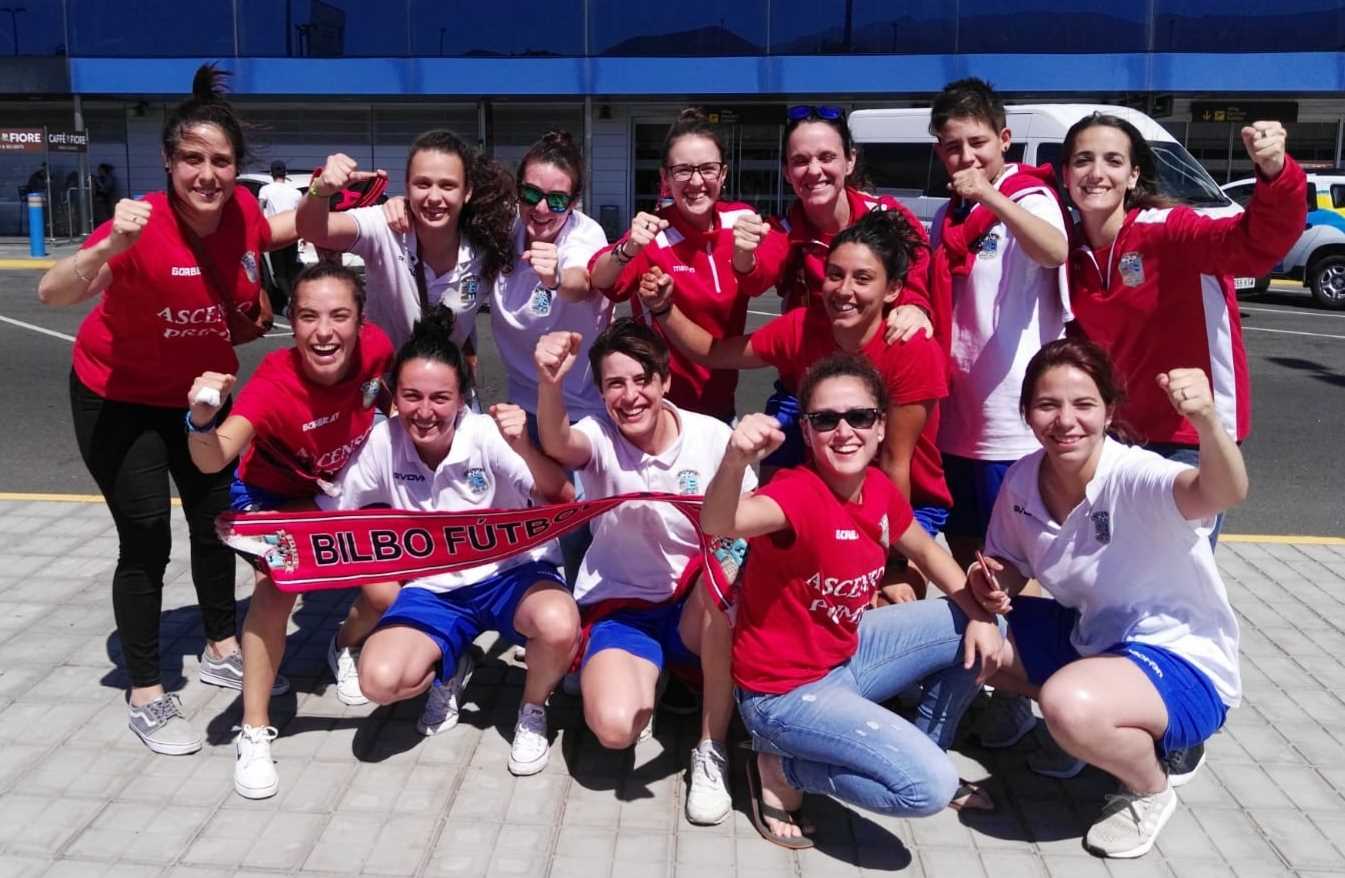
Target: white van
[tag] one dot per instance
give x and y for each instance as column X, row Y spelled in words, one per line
column 898, row 158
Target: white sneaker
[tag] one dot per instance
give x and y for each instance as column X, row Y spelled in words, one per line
column 531, row 749
column 1006, row 720
column 345, row 668
column 708, row 799
column 1130, row 823
column 254, row 771
column 441, row 708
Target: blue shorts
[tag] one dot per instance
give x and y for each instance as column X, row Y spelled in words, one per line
column 453, row 619
column 974, row 485
column 784, row 407
column 932, row 518
column 1041, row 628
column 249, row 498
column 648, row 634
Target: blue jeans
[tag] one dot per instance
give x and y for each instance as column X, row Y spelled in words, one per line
column 836, row 737
column 1189, row 455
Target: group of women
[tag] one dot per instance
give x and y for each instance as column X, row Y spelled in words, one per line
column 1134, row 661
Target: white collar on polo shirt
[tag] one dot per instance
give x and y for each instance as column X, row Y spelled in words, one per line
column 457, row 452
column 1036, row 507
column 465, row 255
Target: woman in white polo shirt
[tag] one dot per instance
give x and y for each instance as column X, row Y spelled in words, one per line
column 1136, row 659
column 438, row 455
column 461, row 208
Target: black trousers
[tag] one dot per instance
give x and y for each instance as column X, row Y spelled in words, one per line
column 131, row 450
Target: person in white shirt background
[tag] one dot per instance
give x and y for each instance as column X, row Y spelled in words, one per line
column 1136, row 659
column 641, row 550
column 276, row 197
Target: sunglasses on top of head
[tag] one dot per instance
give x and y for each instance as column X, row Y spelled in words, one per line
column 826, row 420
column 532, row 196
column 804, row 111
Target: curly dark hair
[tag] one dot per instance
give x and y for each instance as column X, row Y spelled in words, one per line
column 488, row 218
column 206, row 106
column 842, row 365
column 889, row 235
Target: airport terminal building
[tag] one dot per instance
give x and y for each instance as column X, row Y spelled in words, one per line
column 365, row 76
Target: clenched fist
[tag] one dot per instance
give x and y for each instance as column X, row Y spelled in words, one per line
column 656, row 290
column 643, row 229
column 1189, row 392
column 748, row 232
column 1265, row 146
column 755, row 437
column 512, row 423
column 128, row 220
column 338, row 172
column 207, row 395
column 555, row 355
column 545, row 261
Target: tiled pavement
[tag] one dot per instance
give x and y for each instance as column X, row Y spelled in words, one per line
column 362, row 793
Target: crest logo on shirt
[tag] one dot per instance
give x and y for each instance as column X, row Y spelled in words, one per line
column 988, row 246
column 540, row 303
column 249, row 261
column 476, row 480
column 1101, row 526
column 471, row 286
column 688, row 482
column 369, row 392
column 1132, row 269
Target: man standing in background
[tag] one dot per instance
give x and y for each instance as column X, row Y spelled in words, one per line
column 276, row 197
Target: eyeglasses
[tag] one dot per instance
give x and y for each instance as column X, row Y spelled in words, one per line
column 803, row 111
column 825, row 421
column 684, row 173
column 532, row 196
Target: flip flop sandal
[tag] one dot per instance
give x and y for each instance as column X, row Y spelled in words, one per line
column 972, row 797
column 760, row 811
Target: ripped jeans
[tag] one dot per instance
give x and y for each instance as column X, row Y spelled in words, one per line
column 837, row 739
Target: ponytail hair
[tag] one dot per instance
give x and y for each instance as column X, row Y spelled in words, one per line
column 432, row 339
column 557, row 147
column 692, row 121
column 487, row 219
column 206, row 106
column 889, row 236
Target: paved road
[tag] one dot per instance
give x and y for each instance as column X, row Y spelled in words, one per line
column 1297, row 355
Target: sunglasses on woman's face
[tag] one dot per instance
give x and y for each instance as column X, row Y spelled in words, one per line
column 803, row 111
column 532, row 196
column 826, row 420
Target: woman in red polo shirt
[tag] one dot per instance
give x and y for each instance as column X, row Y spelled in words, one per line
column 866, row 265
column 303, row 414
column 171, row 267
column 709, row 248
column 812, row 667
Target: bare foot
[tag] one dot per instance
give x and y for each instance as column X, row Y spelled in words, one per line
column 777, row 793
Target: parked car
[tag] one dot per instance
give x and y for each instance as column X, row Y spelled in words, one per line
column 900, row 161
column 1317, row 260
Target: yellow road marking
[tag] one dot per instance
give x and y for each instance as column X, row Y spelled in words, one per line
column 23, row 496
column 12, row 264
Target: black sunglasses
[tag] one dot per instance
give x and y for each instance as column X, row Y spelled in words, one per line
column 803, row 111
column 825, row 421
column 532, row 196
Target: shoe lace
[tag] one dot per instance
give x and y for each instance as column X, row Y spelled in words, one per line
column 164, row 708
column 258, row 734
column 706, row 762
column 1115, row 803
column 532, row 721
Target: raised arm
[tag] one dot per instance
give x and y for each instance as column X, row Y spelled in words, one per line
column 571, row 284
column 1252, row 242
column 85, row 273
column 554, row 356
column 1044, row 243
column 214, row 446
column 284, row 230
column 611, row 262
column 314, row 220
column 657, row 297
column 727, row 512
column 549, row 483
column 1220, row 480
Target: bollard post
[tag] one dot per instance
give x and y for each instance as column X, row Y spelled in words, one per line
column 37, row 241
